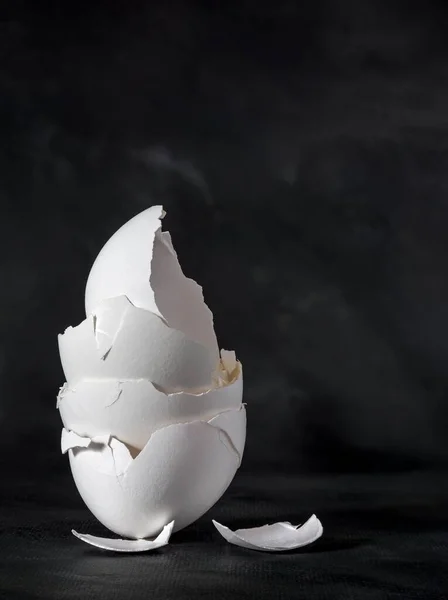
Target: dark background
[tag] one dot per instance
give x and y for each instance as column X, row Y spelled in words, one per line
column 301, row 152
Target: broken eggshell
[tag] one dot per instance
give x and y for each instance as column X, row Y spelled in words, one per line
column 154, row 422
column 139, row 261
column 181, row 472
column 278, row 537
column 127, row 545
column 120, row 341
column 131, row 410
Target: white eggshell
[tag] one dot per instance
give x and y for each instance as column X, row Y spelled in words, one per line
column 278, row 537
column 180, row 473
column 127, row 545
column 132, row 410
column 120, row 341
column 139, row 261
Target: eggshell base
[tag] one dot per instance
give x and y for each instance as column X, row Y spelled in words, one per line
column 178, row 476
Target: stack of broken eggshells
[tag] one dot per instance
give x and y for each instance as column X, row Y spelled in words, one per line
column 154, row 423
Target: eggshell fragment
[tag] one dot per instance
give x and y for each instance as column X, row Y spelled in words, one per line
column 127, row 545
column 274, row 538
column 139, row 261
column 120, row 341
column 180, row 473
column 132, row 410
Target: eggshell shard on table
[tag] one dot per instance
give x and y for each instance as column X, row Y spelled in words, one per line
column 127, row 545
column 120, row 341
column 278, row 537
column 131, row 410
column 179, row 475
column 139, row 261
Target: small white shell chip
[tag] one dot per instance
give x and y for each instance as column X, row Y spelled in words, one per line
column 277, row 537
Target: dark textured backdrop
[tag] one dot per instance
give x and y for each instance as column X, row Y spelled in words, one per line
column 301, row 152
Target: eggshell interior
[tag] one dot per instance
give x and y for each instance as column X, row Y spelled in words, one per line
column 179, row 299
column 180, row 473
column 132, row 410
column 139, row 261
column 120, row 341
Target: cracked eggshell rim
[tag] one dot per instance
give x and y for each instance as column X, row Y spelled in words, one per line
column 139, row 261
column 132, row 410
column 180, row 474
column 120, row 341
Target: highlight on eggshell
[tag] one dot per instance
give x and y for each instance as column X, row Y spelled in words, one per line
column 153, row 418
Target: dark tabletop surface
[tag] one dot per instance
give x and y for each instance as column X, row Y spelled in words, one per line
column 385, row 537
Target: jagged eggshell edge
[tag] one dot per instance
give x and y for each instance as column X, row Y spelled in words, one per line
column 132, row 410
